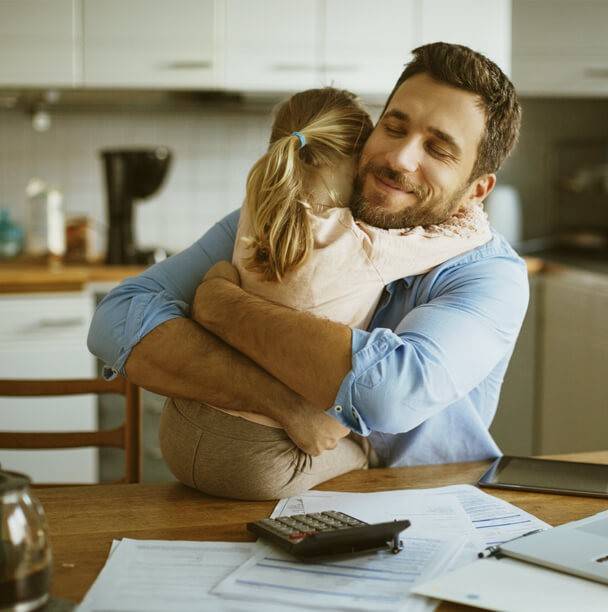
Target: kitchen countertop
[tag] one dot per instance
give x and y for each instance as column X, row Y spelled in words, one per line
column 28, row 277
column 589, row 261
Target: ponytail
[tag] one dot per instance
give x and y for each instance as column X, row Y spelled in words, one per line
column 277, row 207
column 312, row 129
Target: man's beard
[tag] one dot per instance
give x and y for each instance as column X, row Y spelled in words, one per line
column 427, row 211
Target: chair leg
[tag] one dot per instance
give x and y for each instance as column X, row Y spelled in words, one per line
column 133, row 433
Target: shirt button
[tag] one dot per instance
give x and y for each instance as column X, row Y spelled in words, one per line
column 338, row 408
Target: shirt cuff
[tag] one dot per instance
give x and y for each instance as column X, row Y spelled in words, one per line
column 368, row 350
column 146, row 312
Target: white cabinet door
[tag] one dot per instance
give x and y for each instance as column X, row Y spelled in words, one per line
column 560, row 47
column 272, row 45
column 40, row 43
column 151, row 43
column 366, row 44
column 483, row 25
column 44, row 336
column 574, row 353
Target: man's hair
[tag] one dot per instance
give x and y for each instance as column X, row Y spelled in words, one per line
column 466, row 69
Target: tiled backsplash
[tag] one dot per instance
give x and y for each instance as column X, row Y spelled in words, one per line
column 213, row 151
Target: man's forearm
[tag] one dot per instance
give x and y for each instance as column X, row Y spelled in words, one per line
column 181, row 359
column 309, row 354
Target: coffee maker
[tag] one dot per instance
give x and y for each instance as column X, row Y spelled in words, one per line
column 131, row 175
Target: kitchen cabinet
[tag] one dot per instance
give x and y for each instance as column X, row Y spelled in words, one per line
column 44, row 336
column 358, row 45
column 554, row 398
column 514, row 426
column 355, row 45
column 365, row 45
column 573, row 399
column 152, row 44
column 272, row 45
column 40, row 43
column 560, row 47
column 484, row 26
column 237, row 45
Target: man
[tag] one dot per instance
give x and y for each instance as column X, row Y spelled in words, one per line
column 424, row 379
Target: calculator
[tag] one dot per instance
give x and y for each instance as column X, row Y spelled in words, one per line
column 328, row 533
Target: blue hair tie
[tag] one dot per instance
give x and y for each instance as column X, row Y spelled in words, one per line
column 301, row 137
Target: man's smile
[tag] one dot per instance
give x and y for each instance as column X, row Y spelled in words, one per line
column 388, row 185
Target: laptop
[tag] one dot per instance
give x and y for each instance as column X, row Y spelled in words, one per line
column 579, row 548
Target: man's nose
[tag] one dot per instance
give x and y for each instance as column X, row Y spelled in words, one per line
column 406, row 155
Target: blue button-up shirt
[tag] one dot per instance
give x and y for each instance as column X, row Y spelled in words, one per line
column 425, row 376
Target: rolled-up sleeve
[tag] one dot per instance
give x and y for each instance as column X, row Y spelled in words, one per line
column 439, row 353
column 163, row 292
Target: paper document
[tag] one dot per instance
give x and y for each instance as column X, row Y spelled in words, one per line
column 371, row 582
column 450, row 525
column 156, row 575
column 495, row 520
column 489, row 520
column 378, row 581
column 430, row 515
column 515, row 586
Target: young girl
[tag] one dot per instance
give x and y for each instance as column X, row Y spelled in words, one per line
column 297, row 244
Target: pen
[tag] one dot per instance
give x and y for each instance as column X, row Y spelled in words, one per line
column 494, row 551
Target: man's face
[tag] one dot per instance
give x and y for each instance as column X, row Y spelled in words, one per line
column 415, row 166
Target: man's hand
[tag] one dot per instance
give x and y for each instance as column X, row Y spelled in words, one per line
column 222, row 272
column 311, row 430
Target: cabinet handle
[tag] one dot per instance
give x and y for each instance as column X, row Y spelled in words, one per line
column 294, row 67
column 597, row 73
column 188, row 65
column 339, row 67
column 65, row 322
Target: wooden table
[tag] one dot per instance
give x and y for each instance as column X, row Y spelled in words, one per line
column 84, row 520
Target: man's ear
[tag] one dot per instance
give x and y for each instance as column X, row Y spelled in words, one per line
column 482, row 187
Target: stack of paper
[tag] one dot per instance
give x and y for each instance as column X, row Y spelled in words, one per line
column 449, row 526
column 151, row 575
column 516, row 586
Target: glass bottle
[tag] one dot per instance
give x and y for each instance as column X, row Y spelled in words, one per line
column 25, row 554
column 11, row 236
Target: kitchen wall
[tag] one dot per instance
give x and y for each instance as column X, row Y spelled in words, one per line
column 213, row 151
column 214, row 147
column 547, row 122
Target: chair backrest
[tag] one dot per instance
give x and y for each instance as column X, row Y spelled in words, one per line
column 126, row 436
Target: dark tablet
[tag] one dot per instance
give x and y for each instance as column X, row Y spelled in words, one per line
column 547, row 476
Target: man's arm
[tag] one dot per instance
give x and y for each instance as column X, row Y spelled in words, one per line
column 181, row 359
column 160, row 294
column 441, row 350
column 309, row 354
column 142, row 326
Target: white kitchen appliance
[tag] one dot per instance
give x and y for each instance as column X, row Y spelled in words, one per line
column 503, row 207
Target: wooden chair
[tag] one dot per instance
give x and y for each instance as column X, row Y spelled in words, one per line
column 126, row 436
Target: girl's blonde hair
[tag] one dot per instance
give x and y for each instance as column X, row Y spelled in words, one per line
column 335, row 126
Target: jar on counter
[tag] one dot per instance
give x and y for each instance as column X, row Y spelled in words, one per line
column 25, row 554
column 45, row 228
column 11, row 236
